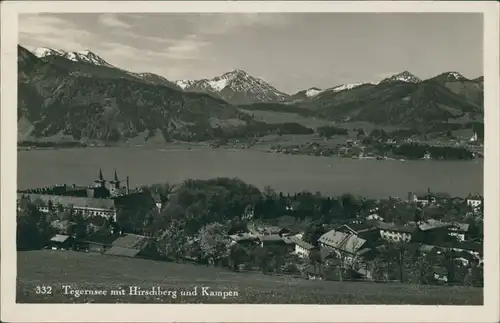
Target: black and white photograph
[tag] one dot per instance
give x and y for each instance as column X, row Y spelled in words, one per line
column 251, row 157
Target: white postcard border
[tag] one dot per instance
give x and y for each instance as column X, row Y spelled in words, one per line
column 12, row 312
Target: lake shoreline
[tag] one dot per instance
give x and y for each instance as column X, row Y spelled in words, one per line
column 187, row 146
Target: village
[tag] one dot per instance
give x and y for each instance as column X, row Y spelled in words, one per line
column 428, row 238
column 385, row 146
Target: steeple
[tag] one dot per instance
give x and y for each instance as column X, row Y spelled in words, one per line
column 115, row 182
column 100, row 180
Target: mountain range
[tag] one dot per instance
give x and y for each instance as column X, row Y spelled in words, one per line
column 82, row 95
column 59, row 97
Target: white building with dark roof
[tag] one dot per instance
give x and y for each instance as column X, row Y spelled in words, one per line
column 302, row 248
column 474, row 200
column 345, row 245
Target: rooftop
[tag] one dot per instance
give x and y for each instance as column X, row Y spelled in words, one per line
column 433, row 224
column 243, row 237
column 121, row 251
column 408, row 228
column 271, row 237
column 356, row 227
column 301, row 243
column 343, row 241
column 59, row 238
column 106, row 204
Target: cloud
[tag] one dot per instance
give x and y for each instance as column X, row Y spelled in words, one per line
column 188, row 47
column 112, row 20
column 51, row 31
column 215, row 24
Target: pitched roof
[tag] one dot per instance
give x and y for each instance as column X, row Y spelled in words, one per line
column 121, row 251
column 343, row 241
column 408, row 228
column 301, row 243
column 440, row 270
column 130, row 241
column 426, row 248
column 271, row 237
column 433, row 224
column 102, row 236
column 89, row 202
column 243, row 237
column 288, row 240
column 59, row 238
column 475, row 196
column 462, row 227
column 356, row 227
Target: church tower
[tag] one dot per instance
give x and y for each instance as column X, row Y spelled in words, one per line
column 99, row 189
column 115, row 182
column 100, row 182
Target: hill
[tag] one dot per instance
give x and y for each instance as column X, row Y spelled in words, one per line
column 395, row 103
column 79, row 269
column 470, row 90
column 87, row 101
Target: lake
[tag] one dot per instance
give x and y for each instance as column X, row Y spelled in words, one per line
column 328, row 175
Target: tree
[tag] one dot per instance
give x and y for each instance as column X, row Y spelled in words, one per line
column 237, row 256
column 172, row 241
column 33, row 229
column 312, row 233
column 420, row 270
column 315, row 259
column 262, row 259
column 213, row 241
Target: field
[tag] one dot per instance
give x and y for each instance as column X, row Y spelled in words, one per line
column 84, row 271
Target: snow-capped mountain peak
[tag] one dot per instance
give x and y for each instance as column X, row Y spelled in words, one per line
column 344, row 87
column 44, row 51
column 454, row 76
column 313, row 92
column 84, row 56
column 236, row 86
column 183, row 84
column 403, row 77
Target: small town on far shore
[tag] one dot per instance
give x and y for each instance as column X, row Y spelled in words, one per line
column 426, row 238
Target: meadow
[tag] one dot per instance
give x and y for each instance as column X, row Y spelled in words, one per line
column 84, row 271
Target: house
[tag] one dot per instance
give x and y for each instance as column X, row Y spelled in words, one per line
column 432, row 231
column 459, row 230
column 440, row 274
column 474, row 200
column 60, row 242
column 366, row 231
column 244, row 238
column 101, row 198
column 396, row 232
column 302, row 249
column 374, row 216
column 421, row 198
column 472, row 248
column 271, row 240
column 158, row 203
column 86, row 206
column 344, row 245
column 116, row 243
column 428, row 197
column 266, row 229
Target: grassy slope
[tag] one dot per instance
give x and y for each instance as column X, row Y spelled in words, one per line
column 87, row 271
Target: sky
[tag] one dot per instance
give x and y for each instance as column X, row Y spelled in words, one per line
column 291, row 51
